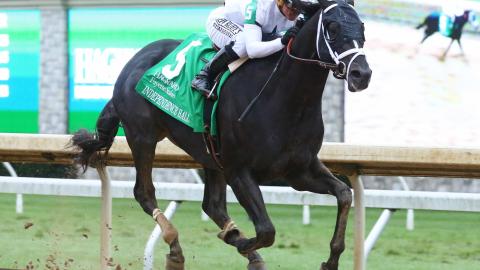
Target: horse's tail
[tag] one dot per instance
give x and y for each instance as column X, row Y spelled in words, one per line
column 101, row 140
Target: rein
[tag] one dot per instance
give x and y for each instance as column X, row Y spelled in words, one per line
column 250, row 105
column 333, row 67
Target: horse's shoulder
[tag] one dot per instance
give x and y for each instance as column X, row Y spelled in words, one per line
column 252, row 75
column 262, row 65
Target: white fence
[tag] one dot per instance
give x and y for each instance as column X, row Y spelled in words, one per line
column 389, row 199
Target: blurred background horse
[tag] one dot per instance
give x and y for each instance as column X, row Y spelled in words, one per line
column 449, row 25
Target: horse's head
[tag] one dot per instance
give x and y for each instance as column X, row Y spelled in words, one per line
column 340, row 39
column 472, row 18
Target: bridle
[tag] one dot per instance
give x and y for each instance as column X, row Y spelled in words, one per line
column 333, row 67
column 339, row 68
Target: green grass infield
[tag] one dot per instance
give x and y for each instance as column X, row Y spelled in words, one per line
column 64, row 232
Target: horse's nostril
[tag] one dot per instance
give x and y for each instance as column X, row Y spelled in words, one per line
column 355, row 74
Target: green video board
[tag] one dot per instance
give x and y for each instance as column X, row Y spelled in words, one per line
column 19, row 70
column 102, row 40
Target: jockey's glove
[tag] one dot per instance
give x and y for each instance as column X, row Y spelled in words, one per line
column 291, row 33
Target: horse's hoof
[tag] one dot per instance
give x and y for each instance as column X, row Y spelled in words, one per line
column 171, row 264
column 257, row 265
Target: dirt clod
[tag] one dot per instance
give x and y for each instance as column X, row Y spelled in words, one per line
column 27, row 225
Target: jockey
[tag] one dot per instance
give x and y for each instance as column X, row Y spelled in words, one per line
column 237, row 27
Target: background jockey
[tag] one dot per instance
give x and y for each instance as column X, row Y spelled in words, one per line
column 237, row 27
column 453, row 17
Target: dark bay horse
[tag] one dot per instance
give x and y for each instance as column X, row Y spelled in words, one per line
column 278, row 139
column 432, row 25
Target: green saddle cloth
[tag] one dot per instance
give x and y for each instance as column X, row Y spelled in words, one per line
column 168, row 84
column 445, row 25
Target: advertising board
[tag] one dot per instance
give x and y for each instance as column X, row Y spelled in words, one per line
column 102, row 40
column 19, row 70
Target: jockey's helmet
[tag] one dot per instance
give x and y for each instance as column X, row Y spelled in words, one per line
column 287, row 8
column 280, row 3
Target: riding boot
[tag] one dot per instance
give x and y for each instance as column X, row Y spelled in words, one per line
column 203, row 81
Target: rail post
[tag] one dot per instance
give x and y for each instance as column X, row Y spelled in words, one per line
column 359, row 204
column 106, row 220
column 19, row 201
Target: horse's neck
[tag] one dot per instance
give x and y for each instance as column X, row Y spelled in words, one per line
column 462, row 20
column 302, row 83
column 297, row 98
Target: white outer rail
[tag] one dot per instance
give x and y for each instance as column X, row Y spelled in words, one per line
column 446, row 201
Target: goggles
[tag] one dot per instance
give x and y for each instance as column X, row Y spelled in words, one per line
column 289, row 5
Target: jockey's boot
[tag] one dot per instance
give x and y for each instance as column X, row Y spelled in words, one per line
column 203, row 81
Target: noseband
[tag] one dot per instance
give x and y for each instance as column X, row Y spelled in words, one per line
column 339, row 68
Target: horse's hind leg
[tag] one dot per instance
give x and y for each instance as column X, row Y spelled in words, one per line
column 143, row 151
column 320, row 180
column 444, row 55
column 214, row 204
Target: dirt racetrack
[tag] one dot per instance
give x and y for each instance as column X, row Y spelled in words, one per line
column 414, row 98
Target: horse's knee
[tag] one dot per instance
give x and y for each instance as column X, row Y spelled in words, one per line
column 266, row 236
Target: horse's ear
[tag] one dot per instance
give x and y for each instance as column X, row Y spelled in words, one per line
column 351, row 2
column 307, row 8
column 302, row 5
column 324, row 3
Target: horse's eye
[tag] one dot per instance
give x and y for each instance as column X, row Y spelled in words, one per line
column 333, row 29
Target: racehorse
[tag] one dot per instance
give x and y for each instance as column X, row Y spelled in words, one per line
column 452, row 29
column 278, row 139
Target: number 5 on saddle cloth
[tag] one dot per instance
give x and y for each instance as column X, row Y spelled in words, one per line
column 167, row 85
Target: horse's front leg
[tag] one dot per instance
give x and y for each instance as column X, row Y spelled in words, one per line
column 214, row 204
column 461, row 47
column 248, row 194
column 444, row 55
column 319, row 179
column 143, row 151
